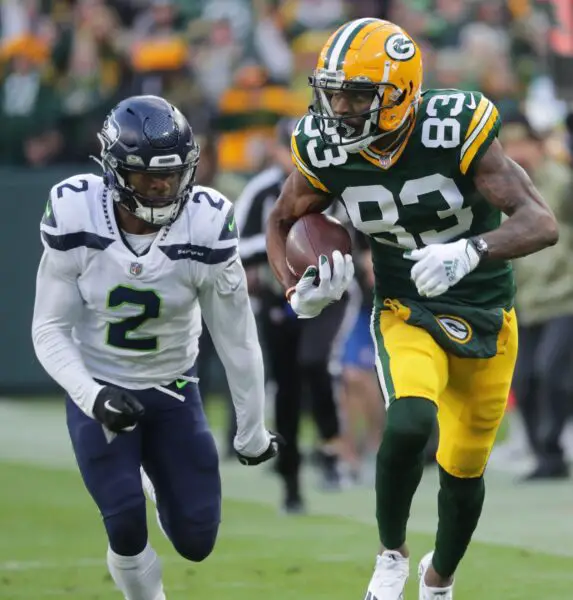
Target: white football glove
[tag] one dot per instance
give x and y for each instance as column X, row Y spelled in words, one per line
column 308, row 300
column 440, row 266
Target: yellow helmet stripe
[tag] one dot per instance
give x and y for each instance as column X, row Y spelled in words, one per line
column 342, row 43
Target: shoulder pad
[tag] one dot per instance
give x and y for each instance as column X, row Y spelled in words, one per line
column 213, row 235
column 481, row 124
column 67, row 222
column 477, row 116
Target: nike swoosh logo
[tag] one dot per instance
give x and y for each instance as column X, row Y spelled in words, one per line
column 180, row 383
column 472, row 104
column 107, row 404
column 232, row 224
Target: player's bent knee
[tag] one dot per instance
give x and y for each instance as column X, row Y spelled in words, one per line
column 409, row 425
column 127, row 531
column 463, row 463
column 195, row 544
column 465, row 456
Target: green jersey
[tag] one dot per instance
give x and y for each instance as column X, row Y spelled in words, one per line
column 425, row 195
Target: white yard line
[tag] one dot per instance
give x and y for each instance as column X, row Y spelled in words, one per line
column 49, row 565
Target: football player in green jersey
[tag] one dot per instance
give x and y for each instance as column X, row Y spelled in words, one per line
column 423, row 175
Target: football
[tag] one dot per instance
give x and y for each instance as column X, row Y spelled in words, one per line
column 311, row 236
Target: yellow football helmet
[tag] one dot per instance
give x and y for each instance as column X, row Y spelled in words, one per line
column 376, row 63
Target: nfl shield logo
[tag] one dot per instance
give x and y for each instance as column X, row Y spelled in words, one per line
column 385, row 161
column 135, row 269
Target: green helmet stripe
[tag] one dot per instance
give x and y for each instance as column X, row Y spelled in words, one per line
column 340, row 46
column 334, row 41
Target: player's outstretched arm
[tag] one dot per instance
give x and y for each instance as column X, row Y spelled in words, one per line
column 531, row 225
column 57, row 306
column 227, row 312
column 297, row 199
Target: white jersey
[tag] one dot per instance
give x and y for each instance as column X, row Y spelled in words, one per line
column 103, row 312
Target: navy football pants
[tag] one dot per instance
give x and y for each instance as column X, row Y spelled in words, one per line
column 174, row 445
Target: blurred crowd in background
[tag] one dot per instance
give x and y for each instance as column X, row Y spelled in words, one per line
column 236, row 66
column 238, row 69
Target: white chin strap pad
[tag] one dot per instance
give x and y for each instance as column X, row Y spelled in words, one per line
column 157, row 216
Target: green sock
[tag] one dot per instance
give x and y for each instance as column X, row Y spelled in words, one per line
column 459, row 508
column 399, row 466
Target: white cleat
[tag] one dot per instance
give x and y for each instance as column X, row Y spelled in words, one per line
column 432, row 593
column 389, row 578
column 150, row 491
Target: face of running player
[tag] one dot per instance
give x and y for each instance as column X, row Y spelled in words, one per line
column 346, row 102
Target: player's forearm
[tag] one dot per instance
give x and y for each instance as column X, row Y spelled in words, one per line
column 526, row 231
column 245, row 375
column 57, row 306
column 227, row 312
column 530, row 226
column 277, row 232
column 62, row 361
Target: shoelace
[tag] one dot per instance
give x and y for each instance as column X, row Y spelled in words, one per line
column 173, row 394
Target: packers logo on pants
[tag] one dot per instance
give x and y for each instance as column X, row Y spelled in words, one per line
column 457, row 329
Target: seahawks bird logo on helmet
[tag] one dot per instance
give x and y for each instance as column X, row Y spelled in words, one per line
column 147, row 135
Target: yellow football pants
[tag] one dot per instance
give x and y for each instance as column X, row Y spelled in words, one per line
column 470, row 393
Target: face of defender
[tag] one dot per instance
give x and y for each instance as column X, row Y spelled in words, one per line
column 157, row 189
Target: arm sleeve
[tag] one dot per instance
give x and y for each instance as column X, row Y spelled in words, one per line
column 228, row 315
column 58, row 305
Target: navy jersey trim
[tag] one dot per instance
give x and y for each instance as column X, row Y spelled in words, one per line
column 202, row 254
column 80, row 239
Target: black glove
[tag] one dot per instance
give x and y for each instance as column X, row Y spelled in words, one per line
column 117, row 409
column 273, row 449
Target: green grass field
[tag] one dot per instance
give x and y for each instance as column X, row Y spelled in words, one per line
column 52, row 544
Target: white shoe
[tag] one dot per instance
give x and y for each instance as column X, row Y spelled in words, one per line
column 432, row 593
column 389, row 578
column 150, row 491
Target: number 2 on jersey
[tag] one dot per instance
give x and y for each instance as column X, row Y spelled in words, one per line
column 120, row 334
column 82, row 187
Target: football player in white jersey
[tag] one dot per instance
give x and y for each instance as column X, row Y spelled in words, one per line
column 131, row 261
